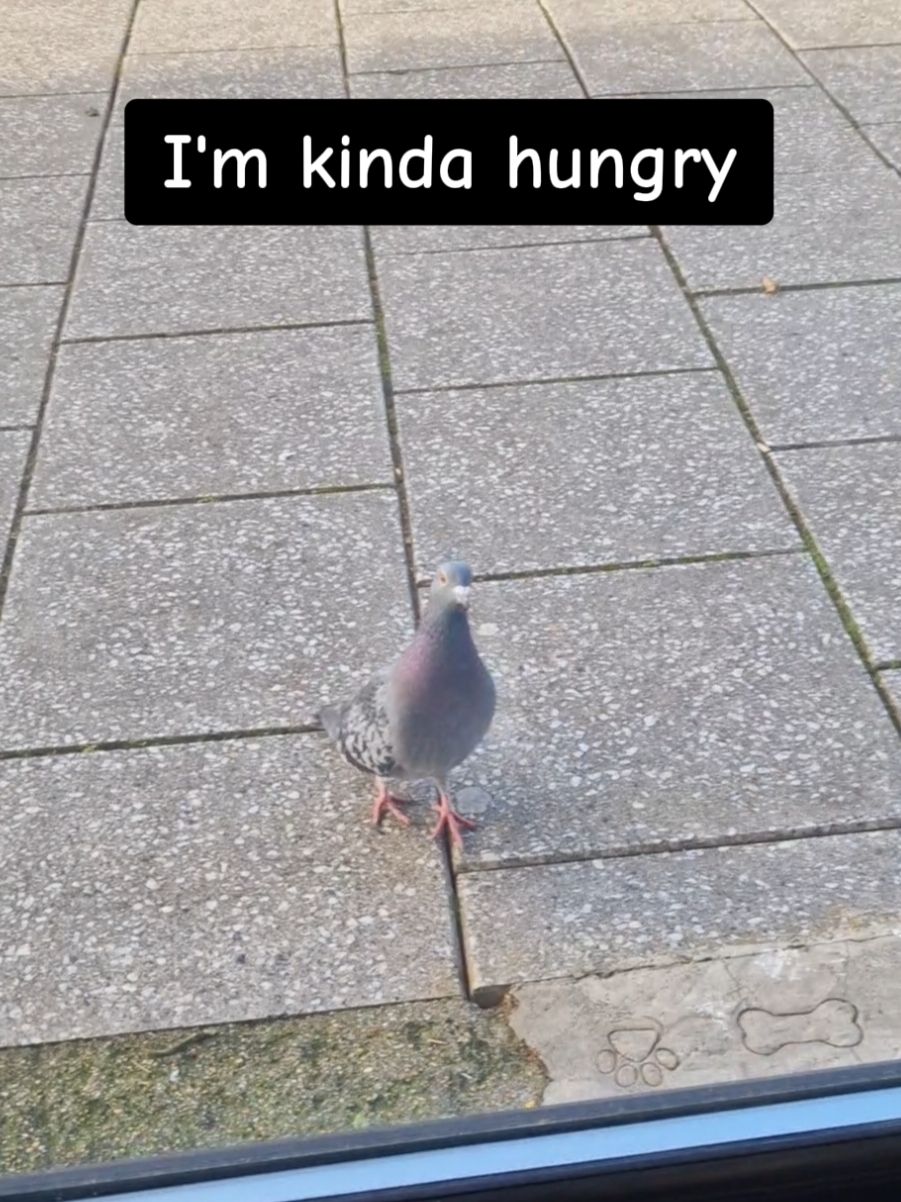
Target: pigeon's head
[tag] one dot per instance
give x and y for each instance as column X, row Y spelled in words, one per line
column 450, row 585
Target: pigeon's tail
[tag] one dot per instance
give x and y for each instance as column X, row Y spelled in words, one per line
column 330, row 717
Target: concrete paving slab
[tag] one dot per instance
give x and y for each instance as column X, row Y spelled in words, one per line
column 839, row 23
column 27, row 70
column 501, row 81
column 623, row 59
column 249, row 884
column 602, row 471
column 50, row 135
column 810, row 132
column 302, row 73
column 14, row 446
column 159, row 279
column 39, row 219
column 601, row 14
column 638, row 911
column 223, row 25
column 299, row 72
column 888, row 139
column 426, row 239
column 475, row 317
column 791, row 1010
column 806, row 242
column 28, row 318
column 214, row 415
column 850, row 497
column 453, row 37
column 175, row 620
column 652, row 708
column 865, row 79
column 68, row 46
column 68, row 19
column 815, row 366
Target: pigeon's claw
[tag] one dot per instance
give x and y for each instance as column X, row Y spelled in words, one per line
column 385, row 801
column 451, row 820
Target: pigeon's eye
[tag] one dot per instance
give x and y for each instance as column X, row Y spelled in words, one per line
column 442, row 578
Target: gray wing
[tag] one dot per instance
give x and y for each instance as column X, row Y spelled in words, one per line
column 362, row 731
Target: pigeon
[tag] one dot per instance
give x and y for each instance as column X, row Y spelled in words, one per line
column 425, row 714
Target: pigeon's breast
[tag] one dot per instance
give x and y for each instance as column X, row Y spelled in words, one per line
column 439, row 718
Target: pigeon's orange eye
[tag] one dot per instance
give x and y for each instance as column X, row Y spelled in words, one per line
column 442, row 578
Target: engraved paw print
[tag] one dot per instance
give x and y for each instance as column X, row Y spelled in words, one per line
column 635, row 1054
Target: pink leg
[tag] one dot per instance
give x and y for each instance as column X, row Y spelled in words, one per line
column 384, row 801
column 450, row 820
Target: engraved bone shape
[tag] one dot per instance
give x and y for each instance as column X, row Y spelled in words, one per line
column 833, row 1022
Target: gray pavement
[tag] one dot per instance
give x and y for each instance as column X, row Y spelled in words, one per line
column 281, row 912
column 577, row 919
column 227, row 456
column 814, row 366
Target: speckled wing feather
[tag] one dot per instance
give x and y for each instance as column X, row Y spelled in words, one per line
column 362, row 731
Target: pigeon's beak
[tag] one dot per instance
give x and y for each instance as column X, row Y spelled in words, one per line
column 461, row 595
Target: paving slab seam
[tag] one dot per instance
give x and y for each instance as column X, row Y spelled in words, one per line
column 871, row 440
column 817, row 286
column 675, row 20
column 468, row 250
column 527, row 62
column 31, row 458
column 837, row 597
column 503, row 248
column 46, row 174
column 16, row 429
column 620, row 375
column 493, row 997
column 846, row 113
column 822, row 566
column 196, row 1030
column 641, row 565
column 35, row 284
column 213, row 499
column 46, row 95
column 789, row 834
column 700, row 92
column 213, row 332
column 214, row 736
column 227, row 49
column 565, row 47
column 632, row 565
column 457, row 940
column 854, row 46
column 723, row 957
column 403, row 502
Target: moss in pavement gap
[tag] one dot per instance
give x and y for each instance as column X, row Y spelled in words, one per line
column 23, row 1133
column 138, row 1095
column 847, row 617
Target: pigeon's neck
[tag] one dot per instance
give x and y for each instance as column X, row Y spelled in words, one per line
column 443, row 634
column 447, row 621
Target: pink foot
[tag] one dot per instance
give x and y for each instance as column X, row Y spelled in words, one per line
column 451, row 821
column 384, row 801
